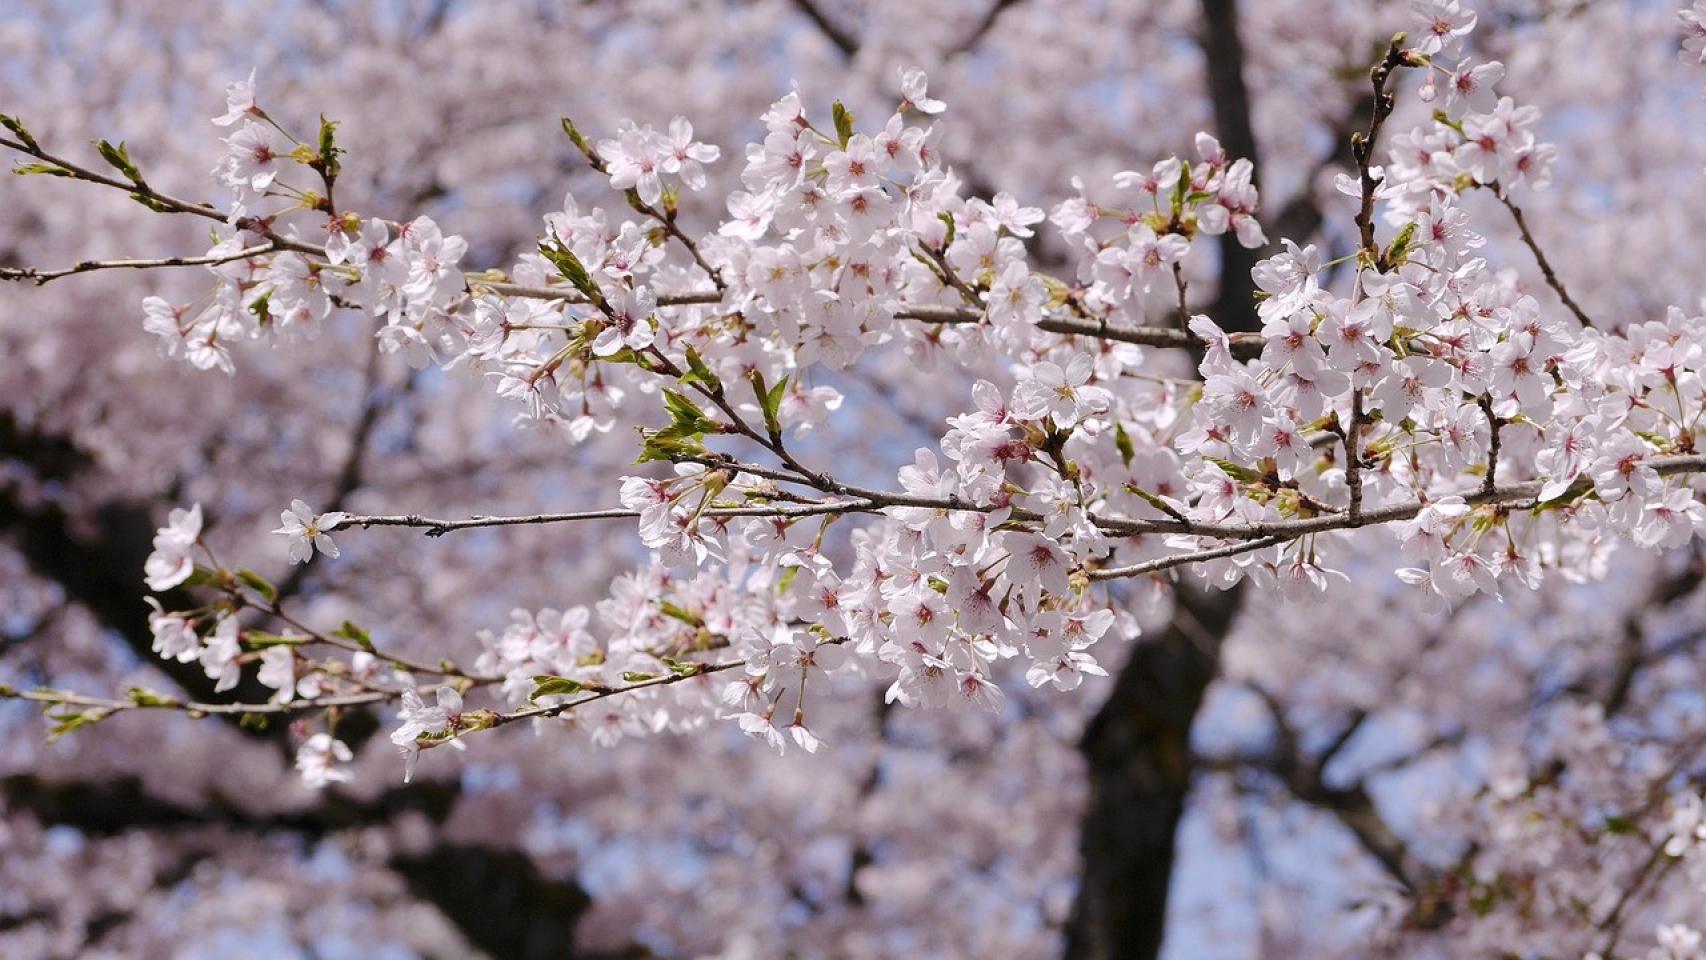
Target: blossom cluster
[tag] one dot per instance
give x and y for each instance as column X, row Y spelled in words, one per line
column 1493, row 430
column 1500, row 436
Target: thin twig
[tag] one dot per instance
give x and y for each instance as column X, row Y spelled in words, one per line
column 40, row 277
column 984, row 25
column 1353, row 458
column 481, row 281
column 688, row 672
column 1614, row 921
column 156, row 702
column 839, row 38
column 1184, row 311
column 1490, row 482
column 436, row 527
column 78, row 172
column 1545, row 265
column 1362, row 144
column 1244, row 346
column 1180, row 559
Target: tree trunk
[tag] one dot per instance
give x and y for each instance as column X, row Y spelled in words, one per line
column 1138, row 750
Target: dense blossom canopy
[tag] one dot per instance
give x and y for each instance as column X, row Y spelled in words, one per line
column 855, row 457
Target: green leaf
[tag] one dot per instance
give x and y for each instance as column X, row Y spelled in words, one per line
column 683, row 668
column 254, row 722
column 683, row 437
column 571, row 268
column 33, row 169
column 261, row 307
column 203, row 577
column 261, row 640
column 355, row 634
column 144, row 697
column 948, row 238
column 329, row 149
column 669, row 448
column 843, row 122
column 698, row 372
column 119, row 159
column 680, row 613
column 1619, row 824
column 547, row 685
column 1122, row 443
column 575, row 137
column 769, row 400
column 1181, row 188
column 1400, row 248
column 259, row 584
column 634, row 676
column 1441, row 118
column 16, row 126
column 69, row 721
column 1154, row 501
column 684, row 414
column 1236, row 472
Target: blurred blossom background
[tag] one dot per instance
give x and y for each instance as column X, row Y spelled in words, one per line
column 1298, row 768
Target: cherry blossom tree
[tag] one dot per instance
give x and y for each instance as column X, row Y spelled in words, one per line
column 1036, row 479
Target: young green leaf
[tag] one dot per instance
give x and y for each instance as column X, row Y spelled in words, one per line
column 355, row 634
column 259, row 584
column 34, row 169
column 69, row 721
column 119, row 159
column 843, row 122
column 553, row 686
column 329, row 150
column 698, row 372
column 16, row 127
column 144, row 697
column 261, row 640
column 1122, row 443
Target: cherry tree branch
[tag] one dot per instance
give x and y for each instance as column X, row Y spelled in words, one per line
column 478, row 281
column 1352, row 806
column 152, row 701
column 445, row 668
column 41, row 277
column 1363, row 144
column 349, row 475
column 1223, row 55
column 66, row 168
column 1180, row 559
column 436, row 527
column 688, row 671
column 841, row 39
column 1255, row 534
column 1540, row 260
column 1244, row 345
column 1353, row 459
column 1495, row 425
column 1653, row 868
column 985, row 24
